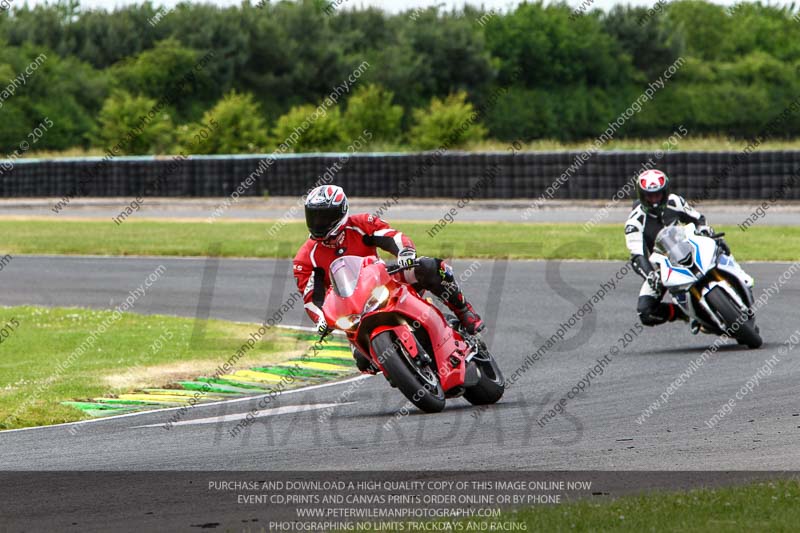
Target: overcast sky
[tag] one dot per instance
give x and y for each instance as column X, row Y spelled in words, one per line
column 391, row 5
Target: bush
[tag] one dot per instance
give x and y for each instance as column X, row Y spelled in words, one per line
column 13, row 128
column 130, row 125
column 65, row 91
column 233, row 126
column 567, row 75
column 552, row 51
column 370, row 108
column 307, row 129
column 449, row 123
column 166, row 71
column 522, row 114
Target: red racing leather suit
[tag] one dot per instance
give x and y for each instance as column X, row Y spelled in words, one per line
column 361, row 235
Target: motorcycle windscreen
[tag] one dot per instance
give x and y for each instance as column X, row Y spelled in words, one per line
column 672, row 241
column 344, row 275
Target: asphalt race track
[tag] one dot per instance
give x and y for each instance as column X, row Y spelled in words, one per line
column 598, row 432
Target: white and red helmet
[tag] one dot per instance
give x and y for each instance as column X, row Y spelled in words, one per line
column 326, row 211
column 652, row 188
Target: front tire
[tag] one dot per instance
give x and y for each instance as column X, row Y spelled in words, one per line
column 420, row 385
column 730, row 313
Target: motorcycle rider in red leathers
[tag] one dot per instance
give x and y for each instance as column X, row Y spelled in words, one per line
column 333, row 233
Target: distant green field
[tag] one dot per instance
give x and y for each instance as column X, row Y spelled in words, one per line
column 541, row 145
column 461, row 239
column 763, row 507
column 709, row 144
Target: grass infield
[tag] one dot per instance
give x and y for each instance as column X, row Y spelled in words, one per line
column 130, row 352
column 461, row 239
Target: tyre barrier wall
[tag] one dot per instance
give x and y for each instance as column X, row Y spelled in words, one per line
column 737, row 175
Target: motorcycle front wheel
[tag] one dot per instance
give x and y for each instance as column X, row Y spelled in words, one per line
column 747, row 334
column 420, row 384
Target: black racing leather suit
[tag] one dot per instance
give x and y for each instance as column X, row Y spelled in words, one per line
column 641, row 230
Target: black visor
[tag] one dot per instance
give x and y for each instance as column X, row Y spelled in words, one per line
column 650, row 207
column 321, row 221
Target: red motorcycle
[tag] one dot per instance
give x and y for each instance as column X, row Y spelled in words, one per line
column 420, row 351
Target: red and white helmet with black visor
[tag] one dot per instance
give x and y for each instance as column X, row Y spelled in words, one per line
column 652, row 188
column 326, row 211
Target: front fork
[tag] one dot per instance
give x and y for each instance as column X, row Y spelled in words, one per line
column 407, row 340
column 719, row 281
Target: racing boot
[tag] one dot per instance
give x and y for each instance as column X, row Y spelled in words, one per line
column 470, row 320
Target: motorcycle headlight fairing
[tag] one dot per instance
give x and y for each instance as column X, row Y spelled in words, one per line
column 380, row 295
column 347, row 322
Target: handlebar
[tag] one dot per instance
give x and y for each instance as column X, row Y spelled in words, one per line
column 394, row 269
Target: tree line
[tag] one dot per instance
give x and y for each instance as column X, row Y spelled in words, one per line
column 536, row 71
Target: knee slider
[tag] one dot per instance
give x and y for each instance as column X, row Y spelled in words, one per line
column 646, row 307
column 649, row 320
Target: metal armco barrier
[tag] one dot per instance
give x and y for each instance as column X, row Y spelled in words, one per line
column 698, row 175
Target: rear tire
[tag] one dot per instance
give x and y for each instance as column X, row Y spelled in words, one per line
column 746, row 334
column 492, row 384
column 426, row 394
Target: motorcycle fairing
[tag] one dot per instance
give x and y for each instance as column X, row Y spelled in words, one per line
column 728, row 264
column 413, row 309
column 680, row 279
column 404, row 311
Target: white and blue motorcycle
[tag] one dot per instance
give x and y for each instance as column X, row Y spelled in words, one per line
column 706, row 283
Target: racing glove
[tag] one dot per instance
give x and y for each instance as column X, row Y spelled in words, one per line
column 641, row 265
column 406, row 257
column 654, row 280
column 322, row 327
column 706, row 231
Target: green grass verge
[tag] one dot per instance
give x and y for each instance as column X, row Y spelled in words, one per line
column 709, row 144
column 134, row 351
column 462, row 239
column 763, row 507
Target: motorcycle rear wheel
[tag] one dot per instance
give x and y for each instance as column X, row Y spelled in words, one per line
column 420, row 385
column 492, row 384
